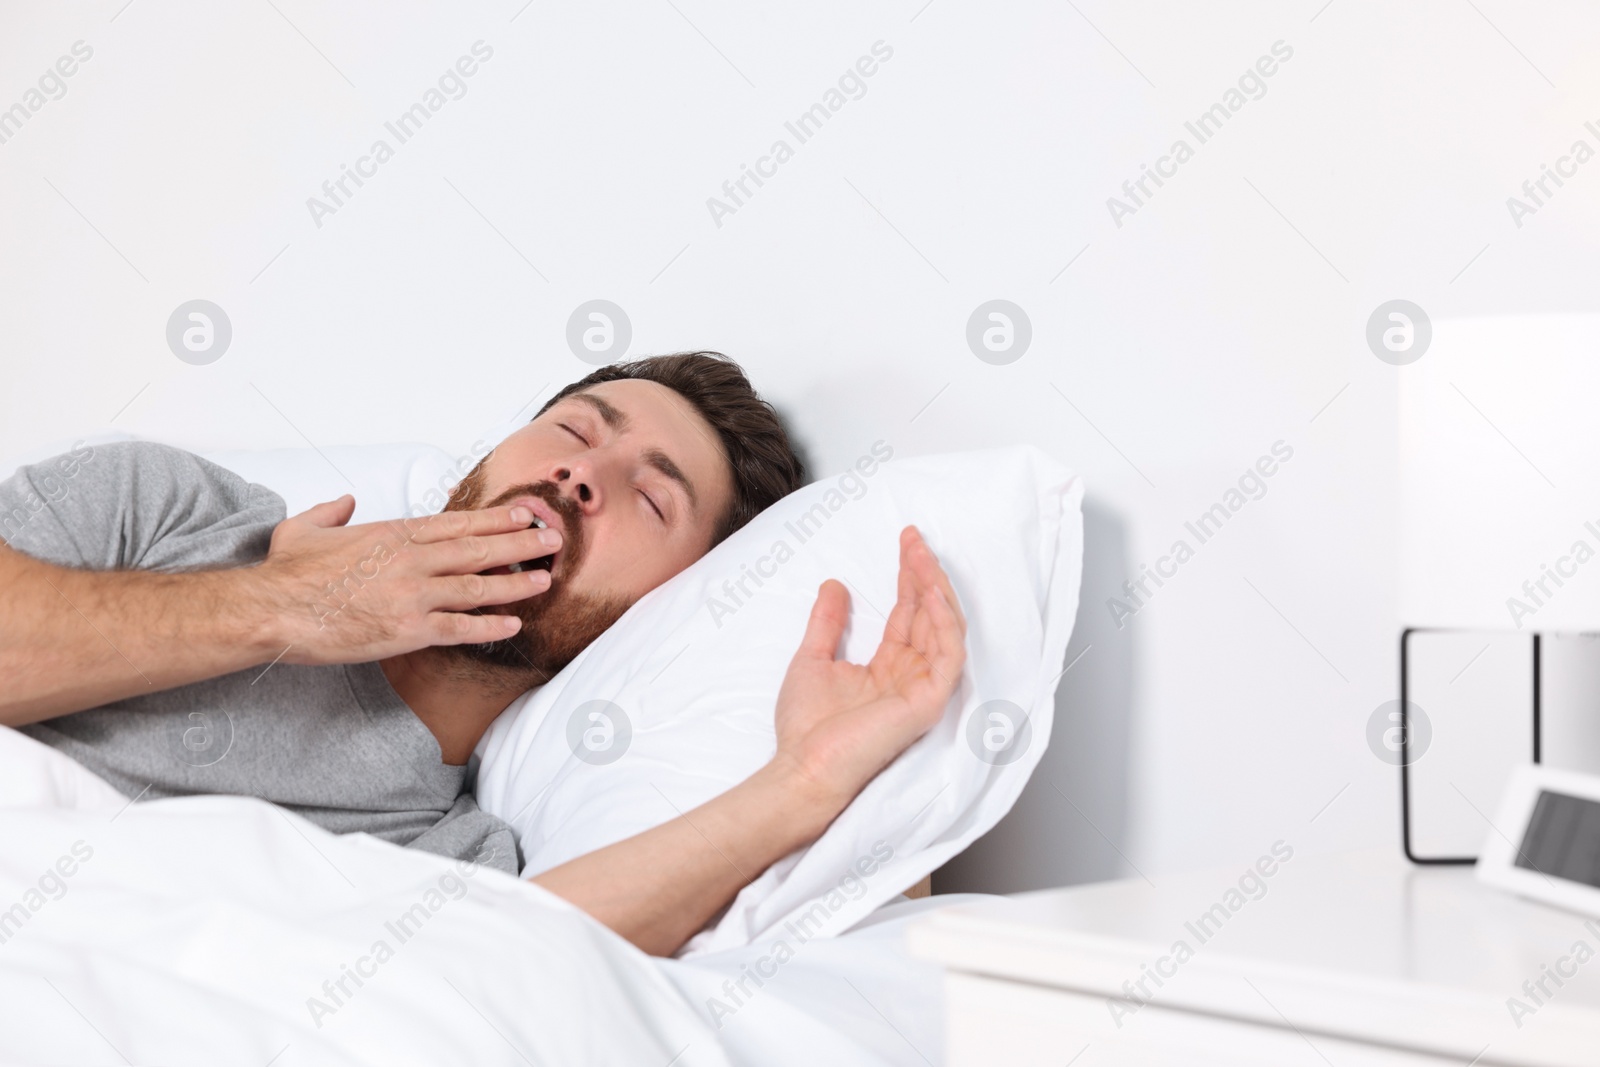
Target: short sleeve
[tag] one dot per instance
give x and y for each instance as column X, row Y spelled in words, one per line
column 136, row 505
column 468, row 832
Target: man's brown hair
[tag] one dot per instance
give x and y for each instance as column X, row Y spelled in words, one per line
column 753, row 439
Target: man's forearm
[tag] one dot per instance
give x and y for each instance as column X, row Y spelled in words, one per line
column 659, row 888
column 72, row 639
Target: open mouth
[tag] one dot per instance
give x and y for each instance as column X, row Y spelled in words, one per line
column 541, row 564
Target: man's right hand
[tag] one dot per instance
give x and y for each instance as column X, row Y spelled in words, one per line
column 72, row 639
column 350, row 594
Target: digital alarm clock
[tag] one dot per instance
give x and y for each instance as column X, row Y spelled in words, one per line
column 1545, row 840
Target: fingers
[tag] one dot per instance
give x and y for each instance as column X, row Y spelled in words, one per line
column 947, row 651
column 932, row 658
column 825, row 627
column 449, row 525
column 330, row 513
column 921, row 637
column 898, row 625
column 463, row 592
column 925, row 565
column 478, row 552
column 925, row 623
column 927, row 617
column 452, row 628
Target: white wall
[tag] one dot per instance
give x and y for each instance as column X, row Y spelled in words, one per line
column 1225, row 315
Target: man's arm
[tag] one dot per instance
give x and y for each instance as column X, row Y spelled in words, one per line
column 838, row 725
column 72, row 639
column 659, row 888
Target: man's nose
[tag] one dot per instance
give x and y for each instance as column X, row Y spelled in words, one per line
column 577, row 480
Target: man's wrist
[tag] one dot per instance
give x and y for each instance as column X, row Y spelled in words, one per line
column 256, row 617
column 806, row 808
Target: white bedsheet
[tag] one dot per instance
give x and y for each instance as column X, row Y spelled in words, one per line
column 854, row 999
column 220, row 930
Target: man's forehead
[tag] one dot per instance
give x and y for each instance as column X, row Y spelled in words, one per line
column 632, row 403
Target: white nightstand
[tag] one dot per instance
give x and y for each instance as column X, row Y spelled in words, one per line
column 1360, row 959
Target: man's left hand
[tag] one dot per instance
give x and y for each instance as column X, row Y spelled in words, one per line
column 840, row 723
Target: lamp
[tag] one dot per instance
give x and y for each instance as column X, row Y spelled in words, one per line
column 1499, row 483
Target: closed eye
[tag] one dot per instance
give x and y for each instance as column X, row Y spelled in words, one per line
column 575, row 433
column 651, row 501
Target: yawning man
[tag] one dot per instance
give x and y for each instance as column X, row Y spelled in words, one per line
column 155, row 590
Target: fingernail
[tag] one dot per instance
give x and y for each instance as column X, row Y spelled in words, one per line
column 522, row 515
column 539, row 578
column 550, row 538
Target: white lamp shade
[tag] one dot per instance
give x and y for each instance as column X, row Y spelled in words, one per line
column 1500, row 475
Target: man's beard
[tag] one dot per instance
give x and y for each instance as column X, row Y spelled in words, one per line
column 556, row 624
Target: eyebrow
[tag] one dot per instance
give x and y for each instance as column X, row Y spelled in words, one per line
column 663, row 463
column 618, row 420
column 608, row 412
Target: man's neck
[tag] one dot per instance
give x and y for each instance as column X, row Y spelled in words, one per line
column 456, row 699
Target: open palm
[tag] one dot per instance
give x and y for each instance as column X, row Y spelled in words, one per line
column 840, row 722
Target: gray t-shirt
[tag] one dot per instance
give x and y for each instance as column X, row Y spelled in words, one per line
column 334, row 744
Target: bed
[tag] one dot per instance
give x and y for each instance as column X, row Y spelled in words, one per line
column 220, row 930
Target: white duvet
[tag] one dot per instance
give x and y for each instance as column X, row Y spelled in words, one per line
column 222, row 930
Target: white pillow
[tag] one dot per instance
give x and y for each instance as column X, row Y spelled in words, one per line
column 388, row 481
column 673, row 705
